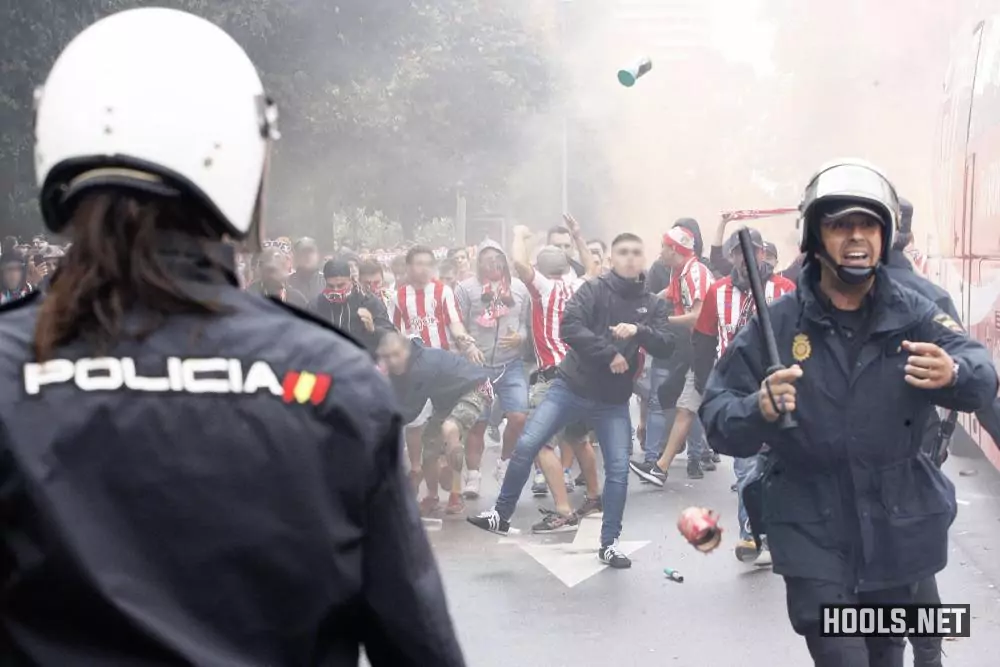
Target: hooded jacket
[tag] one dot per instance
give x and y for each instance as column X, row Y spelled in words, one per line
column 599, row 304
column 489, row 315
column 434, row 375
column 344, row 316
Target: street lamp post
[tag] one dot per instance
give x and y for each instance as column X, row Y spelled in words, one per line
column 565, row 113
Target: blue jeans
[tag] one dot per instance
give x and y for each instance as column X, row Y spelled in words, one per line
column 744, row 469
column 560, row 408
column 510, row 387
column 659, row 422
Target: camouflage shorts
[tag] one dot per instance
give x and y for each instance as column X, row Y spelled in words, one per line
column 464, row 415
column 572, row 432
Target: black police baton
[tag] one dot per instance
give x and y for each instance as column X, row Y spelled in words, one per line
column 787, row 421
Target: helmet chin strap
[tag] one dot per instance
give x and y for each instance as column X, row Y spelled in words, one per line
column 849, row 275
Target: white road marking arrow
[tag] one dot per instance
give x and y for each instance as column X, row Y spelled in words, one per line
column 576, row 562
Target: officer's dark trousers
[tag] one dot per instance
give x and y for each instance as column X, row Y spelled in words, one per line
column 926, row 650
column 804, row 597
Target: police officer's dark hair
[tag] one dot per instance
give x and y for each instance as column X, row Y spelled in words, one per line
column 112, row 267
column 625, row 236
column 447, row 266
column 556, row 230
column 455, row 251
column 604, row 246
column 370, row 267
column 418, row 250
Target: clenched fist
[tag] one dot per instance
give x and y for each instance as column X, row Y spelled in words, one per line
column 777, row 393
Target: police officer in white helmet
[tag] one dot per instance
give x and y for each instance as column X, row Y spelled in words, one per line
column 854, row 511
column 190, row 474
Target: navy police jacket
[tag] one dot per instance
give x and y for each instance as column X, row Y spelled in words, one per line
column 226, row 492
column 848, row 497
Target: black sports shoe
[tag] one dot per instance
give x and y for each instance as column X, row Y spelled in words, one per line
column 611, row 555
column 695, row 469
column 554, row 522
column 708, row 462
column 490, row 521
column 648, row 471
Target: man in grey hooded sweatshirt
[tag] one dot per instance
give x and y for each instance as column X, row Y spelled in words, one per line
column 495, row 308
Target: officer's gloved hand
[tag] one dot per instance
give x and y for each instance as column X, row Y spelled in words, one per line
column 777, row 393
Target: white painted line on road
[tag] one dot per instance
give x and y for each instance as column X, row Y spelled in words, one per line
column 431, row 524
column 574, row 563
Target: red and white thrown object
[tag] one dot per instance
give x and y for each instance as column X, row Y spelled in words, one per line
column 700, row 527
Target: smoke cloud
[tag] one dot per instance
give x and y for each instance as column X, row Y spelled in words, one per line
column 745, row 100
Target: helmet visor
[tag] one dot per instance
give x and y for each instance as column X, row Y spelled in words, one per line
column 851, row 181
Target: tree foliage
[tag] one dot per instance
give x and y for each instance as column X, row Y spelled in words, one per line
column 357, row 228
column 386, row 105
column 436, row 232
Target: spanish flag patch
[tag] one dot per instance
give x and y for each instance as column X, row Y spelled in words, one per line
column 304, row 387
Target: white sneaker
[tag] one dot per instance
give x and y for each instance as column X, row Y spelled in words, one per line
column 500, row 471
column 568, row 481
column 764, row 559
column 473, row 480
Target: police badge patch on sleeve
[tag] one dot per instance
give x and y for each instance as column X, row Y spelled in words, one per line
column 946, row 321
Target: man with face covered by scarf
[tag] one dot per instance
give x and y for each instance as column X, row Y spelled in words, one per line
column 349, row 308
column 729, row 305
column 495, row 307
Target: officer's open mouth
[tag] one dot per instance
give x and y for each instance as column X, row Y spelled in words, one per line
column 856, row 257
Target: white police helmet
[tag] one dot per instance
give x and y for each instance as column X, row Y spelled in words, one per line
column 846, row 186
column 159, row 101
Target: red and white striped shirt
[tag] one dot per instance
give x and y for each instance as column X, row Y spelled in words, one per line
column 427, row 312
column 548, row 303
column 727, row 308
column 688, row 286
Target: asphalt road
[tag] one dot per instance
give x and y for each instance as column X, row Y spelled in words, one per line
column 510, row 609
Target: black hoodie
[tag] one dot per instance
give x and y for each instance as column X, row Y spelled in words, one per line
column 598, row 305
column 344, row 316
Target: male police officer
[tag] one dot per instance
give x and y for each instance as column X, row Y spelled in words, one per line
column 854, row 512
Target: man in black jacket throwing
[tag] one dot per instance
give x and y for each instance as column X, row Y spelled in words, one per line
column 349, row 308
column 605, row 324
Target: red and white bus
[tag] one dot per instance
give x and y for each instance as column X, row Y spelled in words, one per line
column 965, row 258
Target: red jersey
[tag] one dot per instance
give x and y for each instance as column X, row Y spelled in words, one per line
column 688, row 286
column 727, row 308
column 548, row 303
column 427, row 312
